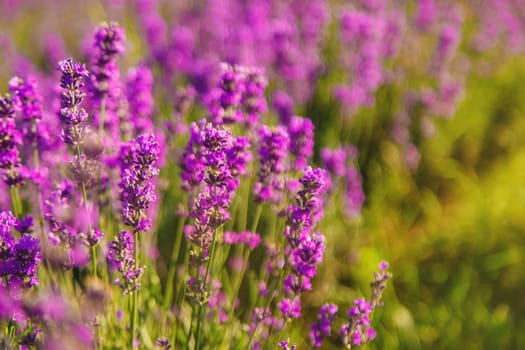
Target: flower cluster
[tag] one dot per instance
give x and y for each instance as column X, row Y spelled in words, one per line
column 358, row 329
column 273, row 151
column 323, row 327
column 253, row 100
column 138, row 167
column 283, row 344
column 121, row 256
column 194, row 163
column 28, row 101
column 105, row 86
column 225, row 100
column 306, row 246
column 108, row 44
column 11, row 170
column 210, row 207
column 18, row 260
column 340, row 164
column 263, row 323
column 362, row 31
column 68, row 223
column 250, row 239
column 190, row 162
column 238, row 156
column 72, row 116
column 301, row 131
column 139, row 89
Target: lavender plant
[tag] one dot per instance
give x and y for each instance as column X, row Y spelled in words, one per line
column 247, row 247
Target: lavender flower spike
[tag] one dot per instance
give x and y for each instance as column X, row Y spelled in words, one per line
column 11, row 170
column 138, row 167
column 72, row 116
column 18, row 260
column 273, row 156
column 323, row 327
column 28, row 100
column 121, row 257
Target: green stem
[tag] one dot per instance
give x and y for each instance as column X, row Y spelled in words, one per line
column 88, row 209
column 36, row 161
column 206, row 274
column 15, row 200
column 269, row 302
column 168, row 296
column 191, row 327
column 274, row 345
column 246, row 257
column 178, row 301
column 135, row 296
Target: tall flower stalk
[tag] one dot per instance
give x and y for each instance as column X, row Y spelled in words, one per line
column 74, row 131
column 105, row 79
column 138, row 164
column 209, row 212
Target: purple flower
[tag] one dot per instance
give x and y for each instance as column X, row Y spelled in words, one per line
column 28, row 101
column 10, row 304
column 238, row 156
column 178, row 57
column 284, row 345
column 210, row 207
column 11, row 170
column 354, row 194
column 154, row 27
column 19, row 260
column 283, row 104
column 358, row 329
column 253, row 100
column 138, row 167
column 25, row 225
column 310, row 200
column 7, row 242
column 379, row 283
column 105, row 85
column 58, row 213
column 139, row 89
column 301, row 131
column 191, row 163
column 362, row 34
column 224, row 101
column 72, row 116
column 323, row 327
column 250, row 239
column 449, row 39
column 163, row 343
column 426, row 14
column 290, row 308
column 121, row 256
column 306, row 247
column 94, row 237
column 338, row 163
column 334, row 160
column 219, row 159
column 272, row 159
column 25, row 261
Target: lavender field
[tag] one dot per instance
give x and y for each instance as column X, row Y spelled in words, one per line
column 271, row 174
